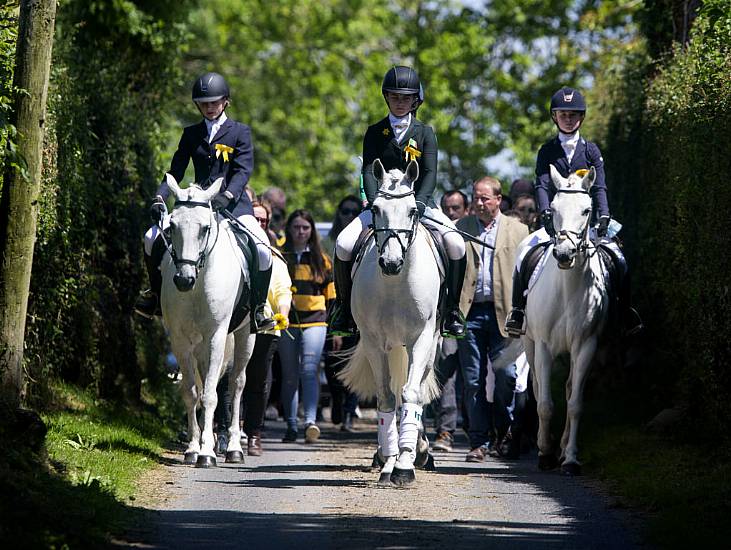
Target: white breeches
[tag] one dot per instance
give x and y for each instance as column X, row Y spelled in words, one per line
column 453, row 241
column 537, row 237
column 248, row 221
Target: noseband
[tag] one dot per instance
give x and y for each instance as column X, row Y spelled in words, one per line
column 395, row 233
column 201, row 261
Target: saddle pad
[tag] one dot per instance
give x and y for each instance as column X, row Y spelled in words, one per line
column 540, row 265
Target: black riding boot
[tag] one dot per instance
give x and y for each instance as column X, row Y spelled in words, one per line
column 341, row 321
column 257, row 301
column 515, row 321
column 453, row 325
column 148, row 303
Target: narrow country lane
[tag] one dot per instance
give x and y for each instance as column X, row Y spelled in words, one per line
column 325, row 496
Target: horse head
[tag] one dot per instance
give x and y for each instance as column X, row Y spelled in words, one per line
column 572, row 209
column 395, row 216
column 191, row 224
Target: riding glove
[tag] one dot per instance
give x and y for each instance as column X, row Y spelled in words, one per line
column 222, row 200
column 547, row 221
column 603, row 226
column 157, row 211
column 421, row 207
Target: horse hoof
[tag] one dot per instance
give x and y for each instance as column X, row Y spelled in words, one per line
column 571, row 469
column 190, row 458
column 429, row 465
column 234, row 457
column 547, row 462
column 205, row 461
column 377, row 462
column 385, row 479
column 402, row 478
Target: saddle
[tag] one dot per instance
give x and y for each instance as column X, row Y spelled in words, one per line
column 245, row 244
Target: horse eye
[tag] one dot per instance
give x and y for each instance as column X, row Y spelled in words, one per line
column 375, row 210
column 587, row 211
column 413, row 212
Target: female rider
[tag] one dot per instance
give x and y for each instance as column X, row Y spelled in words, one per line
column 395, row 140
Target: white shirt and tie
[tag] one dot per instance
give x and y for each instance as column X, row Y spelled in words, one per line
column 568, row 143
column 214, row 125
column 399, row 125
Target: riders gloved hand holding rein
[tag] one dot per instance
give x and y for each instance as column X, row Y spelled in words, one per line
column 218, row 147
column 568, row 152
column 395, row 140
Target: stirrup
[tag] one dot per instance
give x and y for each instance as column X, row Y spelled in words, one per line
column 636, row 322
column 263, row 322
column 457, row 329
column 148, row 305
column 514, row 323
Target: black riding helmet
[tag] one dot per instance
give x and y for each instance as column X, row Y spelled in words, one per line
column 403, row 80
column 567, row 99
column 210, row 87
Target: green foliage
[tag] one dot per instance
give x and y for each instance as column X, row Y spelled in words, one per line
column 668, row 139
column 114, row 66
column 8, row 37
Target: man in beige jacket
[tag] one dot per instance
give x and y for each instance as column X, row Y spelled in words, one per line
column 486, row 296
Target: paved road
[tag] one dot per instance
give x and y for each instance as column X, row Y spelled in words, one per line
column 324, row 496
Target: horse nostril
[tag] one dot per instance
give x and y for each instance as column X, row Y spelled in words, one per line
column 382, row 263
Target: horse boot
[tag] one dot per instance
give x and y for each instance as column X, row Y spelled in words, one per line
column 341, row 321
column 148, row 302
column 453, row 325
column 260, row 321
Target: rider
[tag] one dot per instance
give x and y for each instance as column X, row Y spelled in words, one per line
column 395, row 140
column 219, row 147
column 569, row 152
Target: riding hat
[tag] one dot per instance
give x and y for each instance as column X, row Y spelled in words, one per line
column 403, row 80
column 568, row 99
column 210, row 87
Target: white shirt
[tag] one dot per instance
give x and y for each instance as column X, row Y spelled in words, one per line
column 483, row 288
column 214, row 125
column 568, row 143
column 399, row 125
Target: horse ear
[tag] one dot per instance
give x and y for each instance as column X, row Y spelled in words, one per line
column 378, row 171
column 412, row 172
column 172, row 185
column 589, row 179
column 214, row 189
column 557, row 178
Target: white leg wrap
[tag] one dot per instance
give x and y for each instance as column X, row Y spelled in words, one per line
column 387, row 433
column 410, row 424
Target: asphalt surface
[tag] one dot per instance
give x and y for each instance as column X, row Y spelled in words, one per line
column 324, row 496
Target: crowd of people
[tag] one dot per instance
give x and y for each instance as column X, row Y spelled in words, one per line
column 300, row 290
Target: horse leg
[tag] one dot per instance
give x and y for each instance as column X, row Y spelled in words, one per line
column 567, row 424
column 411, row 410
column 190, row 396
column 581, row 361
column 542, row 369
column 213, row 356
column 386, row 406
column 243, row 348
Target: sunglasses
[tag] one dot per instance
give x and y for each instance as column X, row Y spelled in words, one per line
column 262, row 221
column 349, row 211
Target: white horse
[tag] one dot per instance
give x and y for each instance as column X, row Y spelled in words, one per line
column 394, row 302
column 566, row 312
column 203, row 279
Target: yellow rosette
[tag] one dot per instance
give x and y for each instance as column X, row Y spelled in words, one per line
column 581, row 172
column 223, row 149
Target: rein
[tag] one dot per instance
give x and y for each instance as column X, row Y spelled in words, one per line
column 200, row 262
column 395, row 233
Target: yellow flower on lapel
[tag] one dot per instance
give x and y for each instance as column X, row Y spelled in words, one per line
column 386, row 131
column 225, row 149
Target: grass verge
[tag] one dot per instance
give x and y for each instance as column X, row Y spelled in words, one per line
column 82, row 491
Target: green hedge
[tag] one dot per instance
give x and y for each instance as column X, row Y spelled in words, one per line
column 115, row 65
column 668, row 145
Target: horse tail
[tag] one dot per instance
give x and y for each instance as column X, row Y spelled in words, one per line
column 357, row 374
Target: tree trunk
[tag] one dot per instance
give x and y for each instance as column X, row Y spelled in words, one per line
column 19, row 199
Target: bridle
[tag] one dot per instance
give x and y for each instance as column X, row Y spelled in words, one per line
column 580, row 239
column 200, row 262
column 395, row 233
